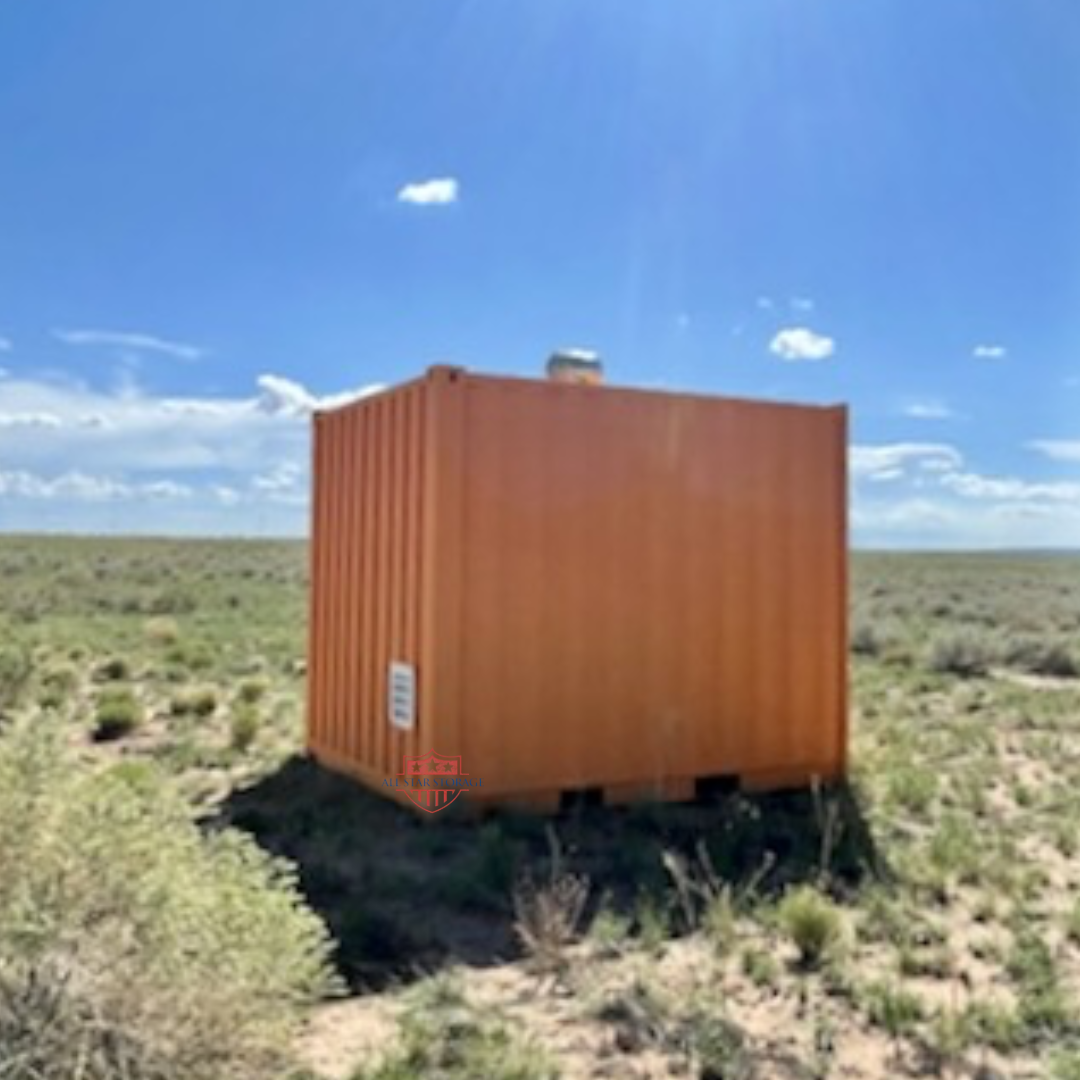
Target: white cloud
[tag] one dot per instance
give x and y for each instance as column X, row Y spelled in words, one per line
column 166, row 489
column 922, row 495
column 285, row 476
column 51, row 424
column 989, row 352
column 279, row 396
column 891, row 461
column 1058, row 449
column 77, row 486
column 801, row 303
column 800, row 343
column 135, row 342
column 881, row 476
column 436, row 192
column 929, row 410
column 75, row 457
column 227, row 496
column 5, row 344
column 937, row 524
column 29, row 420
column 903, row 516
column 973, row 486
column 92, row 420
column 283, row 397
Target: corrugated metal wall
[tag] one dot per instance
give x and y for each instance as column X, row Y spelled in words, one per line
column 600, row 587
column 655, row 587
column 369, row 495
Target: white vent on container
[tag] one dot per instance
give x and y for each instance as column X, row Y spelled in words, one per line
column 401, row 695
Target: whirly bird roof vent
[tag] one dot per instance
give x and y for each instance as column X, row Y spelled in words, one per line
column 575, row 366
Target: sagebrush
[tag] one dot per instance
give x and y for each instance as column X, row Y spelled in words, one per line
column 134, row 946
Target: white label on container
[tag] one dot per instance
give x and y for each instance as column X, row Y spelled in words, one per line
column 401, row 699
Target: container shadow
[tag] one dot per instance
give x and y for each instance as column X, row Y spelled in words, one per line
column 404, row 895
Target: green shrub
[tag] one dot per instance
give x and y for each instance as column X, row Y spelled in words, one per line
column 995, row 1026
column 170, row 602
column 1040, row 657
column 118, row 713
column 760, row 967
column 161, row 630
column 874, row 638
column 63, row 678
column 1045, row 1010
column 864, row 640
column 719, row 1046
column 15, row 669
column 639, row 1013
column 131, row 943
column 893, row 1009
column 719, row 923
column 443, row 1037
column 1065, row 1065
column 51, row 697
column 960, row 652
column 243, row 726
column 252, row 691
column 199, row 702
column 609, row 932
column 653, row 922
column 812, row 922
column 912, row 787
column 1072, row 923
column 112, row 670
column 194, row 656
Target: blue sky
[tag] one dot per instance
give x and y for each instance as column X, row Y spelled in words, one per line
column 215, row 216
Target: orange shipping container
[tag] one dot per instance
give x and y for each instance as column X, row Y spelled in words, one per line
column 578, row 589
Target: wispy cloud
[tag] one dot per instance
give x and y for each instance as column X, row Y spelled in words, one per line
column 440, row 191
column 764, row 303
column 801, row 303
column 975, row 486
column 29, row 420
column 47, row 426
column 6, row 344
column 925, row 494
column 130, row 341
column 77, row 457
column 1057, row 449
column 928, row 410
column 81, row 487
column 801, row 343
column 989, row 352
column 284, row 397
column 892, row 461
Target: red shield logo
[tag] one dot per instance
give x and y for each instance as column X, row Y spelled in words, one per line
column 433, row 781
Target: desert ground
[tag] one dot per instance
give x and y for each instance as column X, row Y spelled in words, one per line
column 922, row 920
